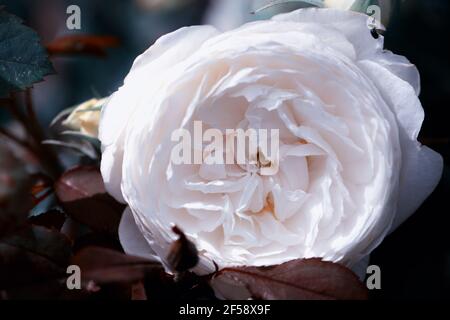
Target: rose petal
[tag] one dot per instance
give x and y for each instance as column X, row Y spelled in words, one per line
column 350, row 23
column 421, row 167
column 147, row 68
column 421, row 172
column 131, row 238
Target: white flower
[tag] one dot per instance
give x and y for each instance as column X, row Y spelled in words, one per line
column 351, row 169
column 85, row 118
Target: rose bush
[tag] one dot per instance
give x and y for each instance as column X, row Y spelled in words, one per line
column 351, row 168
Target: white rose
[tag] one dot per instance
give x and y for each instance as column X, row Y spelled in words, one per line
column 85, row 118
column 351, row 169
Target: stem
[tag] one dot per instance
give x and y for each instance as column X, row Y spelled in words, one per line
column 48, row 160
column 15, row 139
column 12, row 106
column 32, row 118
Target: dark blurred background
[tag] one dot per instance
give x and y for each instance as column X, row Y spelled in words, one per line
column 415, row 260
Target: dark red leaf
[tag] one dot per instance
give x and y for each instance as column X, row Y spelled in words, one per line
column 15, row 185
column 96, row 239
column 308, row 279
column 82, row 44
column 183, row 254
column 52, row 219
column 83, row 196
column 138, row 291
column 101, row 266
column 51, row 289
column 32, row 255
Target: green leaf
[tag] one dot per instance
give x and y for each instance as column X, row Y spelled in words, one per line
column 95, row 142
column 23, row 60
column 85, row 150
column 315, row 3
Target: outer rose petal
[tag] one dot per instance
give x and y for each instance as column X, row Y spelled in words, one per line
column 421, row 167
column 147, row 68
column 348, row 22
column 360, row 268
column 131, row 238
column 167, row 51
column 401, row 67
column 421, row 171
